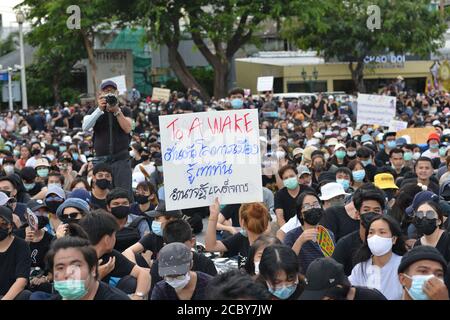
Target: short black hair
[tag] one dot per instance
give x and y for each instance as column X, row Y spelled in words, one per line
column 368, row 192
column 389, row 134
column 345, row 170
column 364, row 152
column 236, row 91
column 98, row 224
column 56, row 174
column 285, row 168
column 396, row 150
column 102, row 167
column 117, row 193
column 177, row 230
column 82, row 245
column 423, row 159
column 235, row 285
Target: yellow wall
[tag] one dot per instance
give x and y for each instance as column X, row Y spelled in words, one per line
column 247, row 73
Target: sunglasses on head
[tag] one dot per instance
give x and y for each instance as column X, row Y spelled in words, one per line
column 72, row 215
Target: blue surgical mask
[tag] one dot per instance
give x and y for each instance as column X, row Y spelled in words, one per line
column 359, row 175
column 157, row 228
column 284, row 292
column 237, row 103
column 75, row 156
column 381, row 146
column 344, row 182
column 391, row 144
column 62, row 148
column 29, row 186
column 416, row 290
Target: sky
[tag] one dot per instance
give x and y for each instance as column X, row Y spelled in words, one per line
column 7, row 12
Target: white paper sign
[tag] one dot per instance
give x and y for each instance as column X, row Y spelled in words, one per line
column 396, row 125
column 376, row 109
column 161, row 94
column 121, row 83
column 208, row 155
column 265, row 84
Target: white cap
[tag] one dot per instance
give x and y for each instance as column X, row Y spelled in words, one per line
column 446, row 131
column 331, row 190
column 138, row 177
column 318, row 135
column 67, row 139
column 330, row 97
column 332, row 142
column 436, row 122
column 339, row 145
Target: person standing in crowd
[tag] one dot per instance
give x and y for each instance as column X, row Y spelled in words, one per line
column 112, row 126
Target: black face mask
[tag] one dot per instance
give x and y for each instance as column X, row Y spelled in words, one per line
column 53, row 205
column 42, row 221
column 120, row 212
column 318, row 167
column 141, row 199
column 103, row 184
column 35, row 152
column 425, row 226
column 3, row 234
column 367, row 217
column 313, row 216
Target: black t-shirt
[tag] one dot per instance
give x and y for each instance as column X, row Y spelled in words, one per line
column 97, row 203
column 320, row 111
column 307, row 108
column 15, row 263
column 199, row 263
column 60, row 121
column 104, row 292
column 382, row 159
column 443, row 245
column 163, row 291
column 283, row 200
column 120, row 140
column 122, row 267
column 184, row 105
column 345, row 250
column 152, row 242
column 36, row 189
column 237, row 245
column 337, row 220
column 38, row 249
column 231, row 211
column 77, row 120
column 368, row 294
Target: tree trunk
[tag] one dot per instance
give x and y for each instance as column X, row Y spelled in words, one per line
column 88, row 44
column 358, row 76
column 55, row 87
column 182, row 72
column 221, row 80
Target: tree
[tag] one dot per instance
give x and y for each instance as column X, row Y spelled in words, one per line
column 407, row 27
column 9, row 44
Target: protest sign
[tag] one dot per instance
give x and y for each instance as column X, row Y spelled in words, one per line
column 121, row 83
column 325, row 241
column 417, row 135
column 396, row 125
column 375, row 109
column 208, row 155
column 265, row 84
column 161, row 94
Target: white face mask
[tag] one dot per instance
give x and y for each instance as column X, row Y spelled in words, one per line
column 379, row 246
column 256, row 267
column 351, row 153
column 416, row 155
column 50, row 157
column 9, row 169
column 132, row 153
column 280, row 154
column 179, row 284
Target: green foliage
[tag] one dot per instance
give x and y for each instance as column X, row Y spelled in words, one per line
column 9, row 44
column 204, row 75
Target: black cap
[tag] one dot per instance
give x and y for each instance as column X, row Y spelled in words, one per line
column 35, row 205
column 161, row 211
column 28, row 174
column 322, row 274
column 6, row 213
column 421, row 253
column 108, row 83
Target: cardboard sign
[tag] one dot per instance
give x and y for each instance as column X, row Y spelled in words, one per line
column 396, row 125
column 375, row 109
column 208, row 155
column 265, row 84
column 325, row 241
column 161, row 94
column 121, row 83
column 417, row 135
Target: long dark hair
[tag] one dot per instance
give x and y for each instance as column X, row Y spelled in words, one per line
column 278, row 258
column 404, row 199
column 299, row 203
column 262, row 240
column 399, row 248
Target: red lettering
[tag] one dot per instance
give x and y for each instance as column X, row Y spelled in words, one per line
column 236, row 123
column 226, row 123
column 195, row 124
column 216, row 127
column 247, row 123
column 176, row 133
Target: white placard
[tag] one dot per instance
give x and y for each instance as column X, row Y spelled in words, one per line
column 396, row 125
column 376, row 109
column 121, row 83
column 208, row 155
column 265, row 84
column 161, row 94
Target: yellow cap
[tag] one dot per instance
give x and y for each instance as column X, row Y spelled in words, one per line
column 385, row 181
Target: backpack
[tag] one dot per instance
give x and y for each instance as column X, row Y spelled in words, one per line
column 129, row 235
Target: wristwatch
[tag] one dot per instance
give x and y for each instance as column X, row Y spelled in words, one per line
column 139, row 294
column 117, row 113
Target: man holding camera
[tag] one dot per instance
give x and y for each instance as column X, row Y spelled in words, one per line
column 112, row 126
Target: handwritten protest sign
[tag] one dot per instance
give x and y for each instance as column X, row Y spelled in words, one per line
column 375, row 109
column 396, row 125
column 121, row 83
column 208, row 155
column 325, row 241
column 265, row 84
column 161, row 94
column 417, row 135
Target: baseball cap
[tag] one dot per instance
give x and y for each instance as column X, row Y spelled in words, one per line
column 42, row 162
column 79, row 204
column 400, row 142
column 331, row 190
column 55, row 190
column 160, row 210
column 80, row 193
column 339, row 145
column 322, row 274
column 332, row 142
column 6, row 213
column 303, row 170
column 419, row 198
column 36, row 204
column 28, row 173
column 297, row 151
column 108, row 83
column 421, row 253
column 174, row 259
column 385, row 181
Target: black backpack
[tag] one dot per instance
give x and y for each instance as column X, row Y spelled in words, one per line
column 129, row 235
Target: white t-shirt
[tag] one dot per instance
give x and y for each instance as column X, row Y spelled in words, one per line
column 384, row 279
column 150, row 168
column 291, row 224
column 31, row 162
column 431, row 155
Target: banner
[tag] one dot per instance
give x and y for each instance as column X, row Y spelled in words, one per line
column 375, row 109
column 417, row 135
column 265, row 84
column 396, row 125
column 208, row 155
column 161, row 94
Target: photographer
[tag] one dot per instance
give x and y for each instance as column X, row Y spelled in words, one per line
column 112, row 126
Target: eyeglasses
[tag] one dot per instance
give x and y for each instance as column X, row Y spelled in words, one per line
column 315, row 205
column 72, row 215
column 430, row 214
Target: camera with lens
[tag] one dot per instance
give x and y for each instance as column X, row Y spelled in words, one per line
column 111, row 99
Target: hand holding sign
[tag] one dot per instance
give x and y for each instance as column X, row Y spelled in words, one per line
column 325, row 241
column 32, row 220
